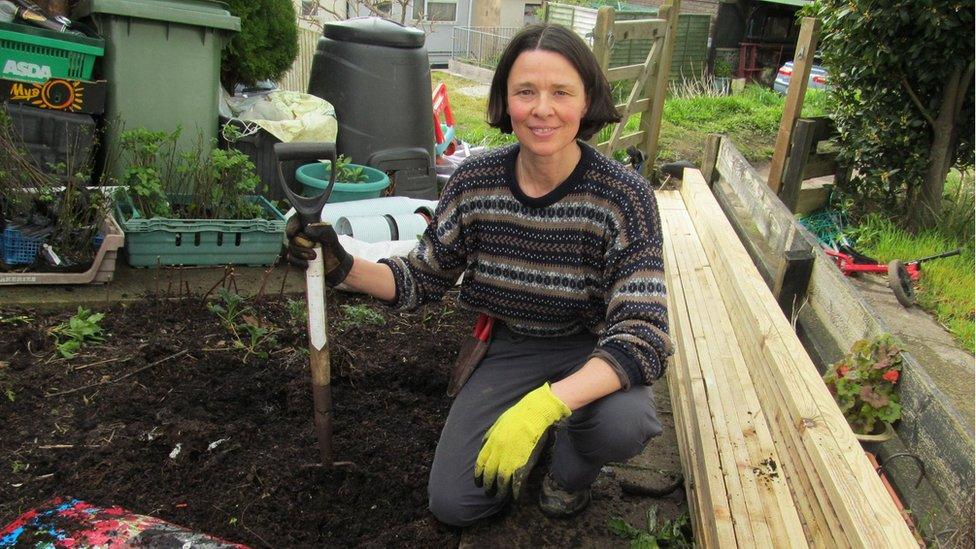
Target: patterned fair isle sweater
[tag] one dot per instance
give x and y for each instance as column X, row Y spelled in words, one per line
column 586, row 256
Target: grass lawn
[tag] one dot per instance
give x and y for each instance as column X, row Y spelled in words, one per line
column 470, row 124
column 947, row 285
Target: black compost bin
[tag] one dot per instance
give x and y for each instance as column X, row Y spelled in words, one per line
column 376, row 75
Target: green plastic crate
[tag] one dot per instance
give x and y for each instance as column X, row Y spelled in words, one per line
column 197, row 242
column 31, row 54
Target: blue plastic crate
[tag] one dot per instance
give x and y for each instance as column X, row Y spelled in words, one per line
column 18, row 248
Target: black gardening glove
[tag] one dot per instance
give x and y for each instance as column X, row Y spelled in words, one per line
column 302, row 240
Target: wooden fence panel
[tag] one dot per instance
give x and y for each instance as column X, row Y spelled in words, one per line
column 296, row 79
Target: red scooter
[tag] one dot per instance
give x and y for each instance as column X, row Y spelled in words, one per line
column 901, row 274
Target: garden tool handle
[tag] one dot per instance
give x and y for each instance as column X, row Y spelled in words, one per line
column 950, row 253
column 309, row 208
column 319, row 360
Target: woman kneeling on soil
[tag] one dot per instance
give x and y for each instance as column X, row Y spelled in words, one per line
column 562, row 248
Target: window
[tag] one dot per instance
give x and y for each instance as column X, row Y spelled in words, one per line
column 435, row 11
column 310, row 7
column 385, row 7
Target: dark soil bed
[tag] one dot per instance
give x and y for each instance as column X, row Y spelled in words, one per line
column 110, row 443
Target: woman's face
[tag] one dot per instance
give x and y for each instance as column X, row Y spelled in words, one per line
column 546, row 101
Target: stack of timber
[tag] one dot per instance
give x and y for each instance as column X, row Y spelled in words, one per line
column 830, row 315
column 769, row 459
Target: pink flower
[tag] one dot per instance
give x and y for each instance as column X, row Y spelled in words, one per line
column 890, row 375
column 842, row 370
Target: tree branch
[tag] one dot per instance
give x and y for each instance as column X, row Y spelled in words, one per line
column 918, row 103
column 967, row 76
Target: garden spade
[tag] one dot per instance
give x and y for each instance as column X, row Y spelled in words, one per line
column 309, row 209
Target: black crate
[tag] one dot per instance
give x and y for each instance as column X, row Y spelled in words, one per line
column 259, row 147
column 53, row 137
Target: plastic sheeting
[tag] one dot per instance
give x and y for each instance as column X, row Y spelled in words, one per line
column 289, row 116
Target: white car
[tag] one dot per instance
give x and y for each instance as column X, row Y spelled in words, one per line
column 818, row 78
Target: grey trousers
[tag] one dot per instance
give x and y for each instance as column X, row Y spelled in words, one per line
column 613, row 428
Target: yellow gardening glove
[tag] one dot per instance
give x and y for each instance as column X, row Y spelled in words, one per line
column 510, row 441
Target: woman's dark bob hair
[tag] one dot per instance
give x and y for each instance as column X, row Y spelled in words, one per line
column 557, row 39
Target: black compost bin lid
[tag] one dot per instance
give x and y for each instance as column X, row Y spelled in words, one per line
column 375, row 31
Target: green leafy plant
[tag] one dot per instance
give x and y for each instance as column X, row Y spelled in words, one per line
column 217, row 185
column 723, row 68
column 346, row 171
column 863, row 383
column 243, row 326
column 71, row 335
column 265, row 47
column 148, row 156
column 901, row 74
column 298, row 311
column 16, row 319
column 230, row 308
column 204, row 182
column 669, row 533
column 357, row 316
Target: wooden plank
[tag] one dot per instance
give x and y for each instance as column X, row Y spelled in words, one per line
column 710, row 158
column 699, row 497
column 772, row 218
column 601, row 50
column 793, row 278
column 736, row 386
column 742, row 502
column 640, row 105
column 867, row 517
column 626, row 72
column 639, row 29
column 806, row 44
column 706, row 313
column 625, row 141
column 715, row 528
column 796, row 161
column 707, row 526
column 771, row 517
column 803, row 489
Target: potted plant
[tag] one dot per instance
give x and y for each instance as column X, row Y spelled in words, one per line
column 195, row 207
column 352, row 181
column 722, row 75
column 863, row 385
column 51, row 221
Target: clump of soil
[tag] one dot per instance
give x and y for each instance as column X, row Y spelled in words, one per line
column 168, row 376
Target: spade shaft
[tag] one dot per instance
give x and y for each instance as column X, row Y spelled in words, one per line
column 309, row 209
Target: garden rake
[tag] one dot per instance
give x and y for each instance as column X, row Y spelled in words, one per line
column 310, row 209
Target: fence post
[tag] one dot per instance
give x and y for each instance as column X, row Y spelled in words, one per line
column 662, row 75
column 803, row 140
column 802, row 63
column 710, row 158
column 601, row 48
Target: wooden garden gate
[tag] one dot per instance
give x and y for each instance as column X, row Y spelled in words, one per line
column 650, row 81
